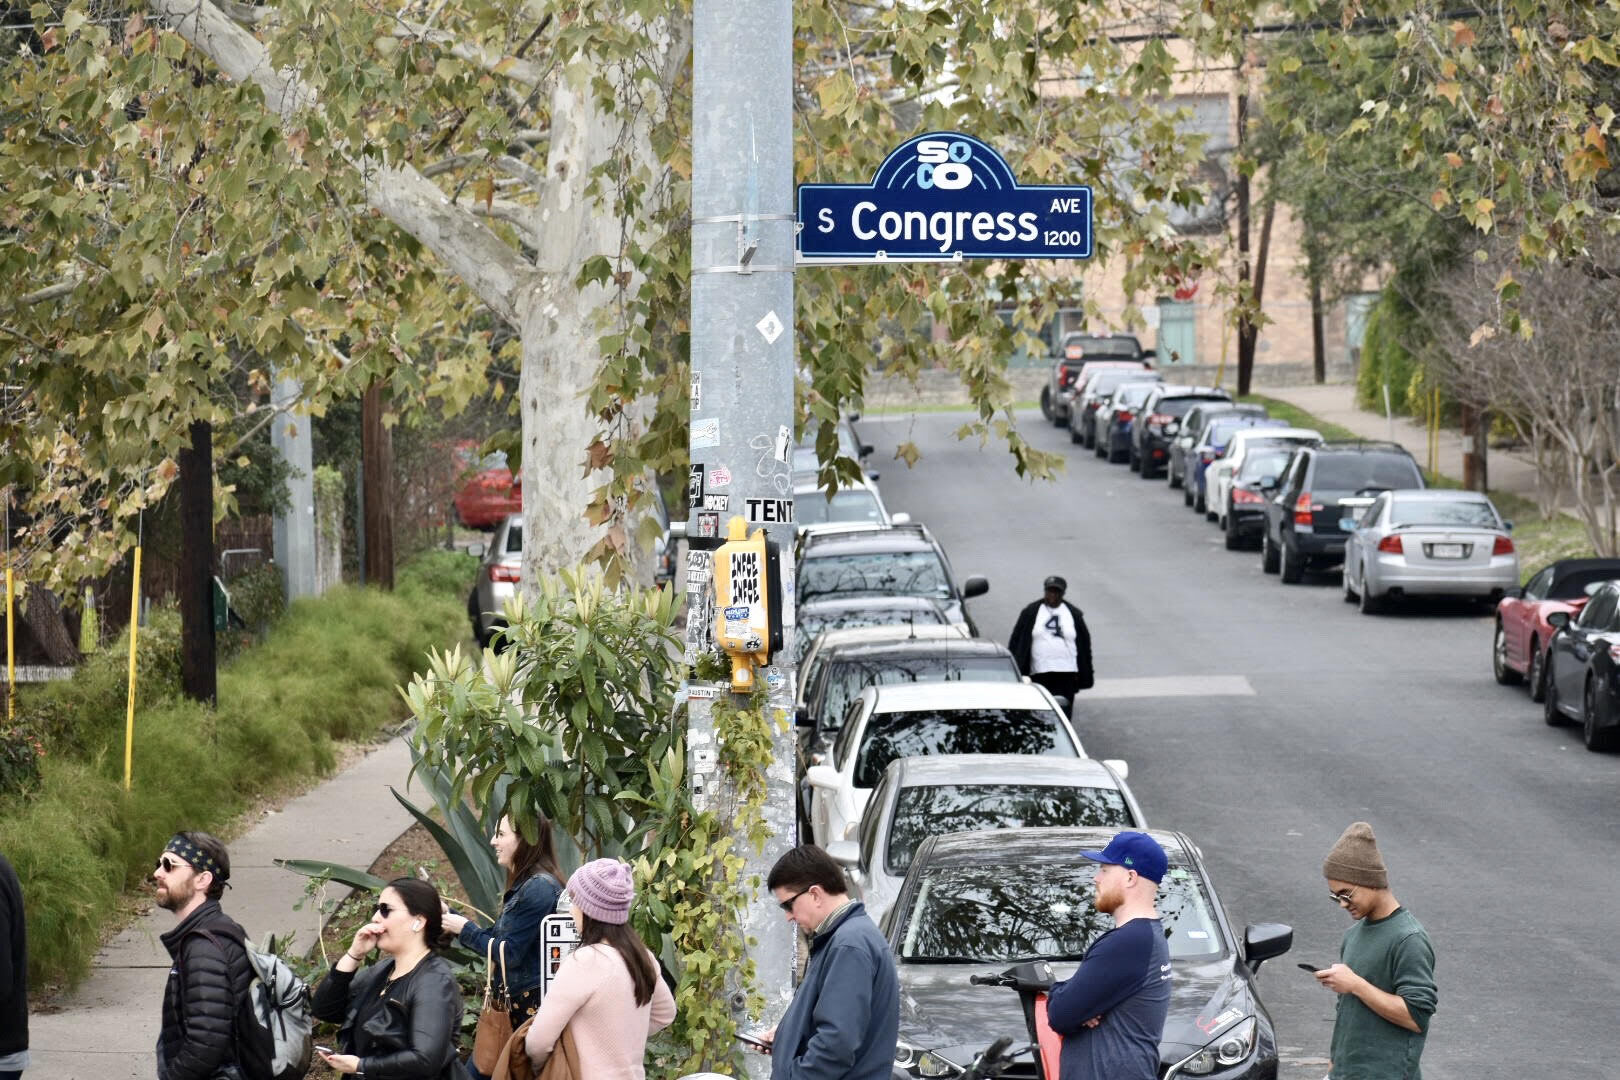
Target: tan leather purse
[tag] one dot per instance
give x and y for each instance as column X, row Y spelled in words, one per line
column 495, row 1021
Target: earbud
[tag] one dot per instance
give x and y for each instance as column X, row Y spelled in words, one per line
column 417, row 925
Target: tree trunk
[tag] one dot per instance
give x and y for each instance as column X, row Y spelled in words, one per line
column 1318, row 348
column 43, row 614
column 1476, row 463
column 1245, row 334
column 197, row 660
column 377, row 462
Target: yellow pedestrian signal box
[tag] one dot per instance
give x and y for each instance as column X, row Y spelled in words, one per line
column 747, row 602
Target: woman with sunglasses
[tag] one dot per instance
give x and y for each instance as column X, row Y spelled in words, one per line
column 608, row 992
column 533, row 883
column 400, row 1016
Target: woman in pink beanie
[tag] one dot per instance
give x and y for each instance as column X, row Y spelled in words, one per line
column 609, row 988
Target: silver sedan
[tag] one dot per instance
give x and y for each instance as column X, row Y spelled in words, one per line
column 1428, row 543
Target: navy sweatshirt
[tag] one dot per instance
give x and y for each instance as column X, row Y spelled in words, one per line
column 1125, row 979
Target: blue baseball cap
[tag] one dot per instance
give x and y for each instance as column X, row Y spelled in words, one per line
column 1134, row 851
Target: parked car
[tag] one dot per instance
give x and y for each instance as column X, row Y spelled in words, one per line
column 859, row 502
column 1519, row 645
column 1075, row 350
column 920, row 797
column 1583, row 669
column 1429, row 543
column 1191, row 429
column 1114, row 419
column 1218, row 479
column 1307, row 503
column 1211, row 448
column 974, row 903
column 848, row 444
column 1088, row 372
column 1089, row 400
column 489, row 492
column 499, row 571
column 817, row 650
column 1160, row 415
column 888, row 722
column 1245, row 515
column 901, row 560
column 848, row 611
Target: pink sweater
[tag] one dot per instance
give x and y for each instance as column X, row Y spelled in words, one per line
column 594, row 992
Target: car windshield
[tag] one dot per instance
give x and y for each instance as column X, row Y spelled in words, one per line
column 1094, row 347
column 1264, row 461
column 1573, row 586
column 845, row 679
column 1000, row 912
column 920, row 812
column 888, row 573
column 812, row 623
column 815, row 508
column 514, row 537
column 1105, row 381
column 1462, row 512
column 1221, row 430
column 1134, row 394
column 1353, row 472
column 958, row 731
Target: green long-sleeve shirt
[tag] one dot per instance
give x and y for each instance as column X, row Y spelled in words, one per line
column 1394, row 954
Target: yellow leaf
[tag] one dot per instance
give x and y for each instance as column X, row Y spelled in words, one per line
column 1455, row 160
column 484, row 190
column 1594, row 137
column 1448, row 90
column 153, row 324
column 1462, row 35
column 1441, row 198
column 1484, row 206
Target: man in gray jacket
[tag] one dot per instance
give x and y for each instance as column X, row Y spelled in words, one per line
column 844, row 1021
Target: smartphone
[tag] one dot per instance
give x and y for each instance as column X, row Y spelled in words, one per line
column 326, row 1049
column 1312, row 968
column 753, row 1040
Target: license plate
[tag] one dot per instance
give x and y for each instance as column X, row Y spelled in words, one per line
column 1447, row 551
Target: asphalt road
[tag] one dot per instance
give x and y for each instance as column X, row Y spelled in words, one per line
column 1498, row 831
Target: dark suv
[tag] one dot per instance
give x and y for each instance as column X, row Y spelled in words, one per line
column 1318, row 485
column 893, row 560
column 1164, row 408
column 1076, row 350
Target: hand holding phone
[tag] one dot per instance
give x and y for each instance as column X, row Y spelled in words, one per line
column 754, row 1041
column 326, row 1049
column 1312, row 968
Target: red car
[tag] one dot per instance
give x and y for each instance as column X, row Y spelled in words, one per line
column 490, row 494
column 1519, row 648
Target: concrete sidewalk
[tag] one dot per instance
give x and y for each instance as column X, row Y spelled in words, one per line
column 107, row 1029
column 1335, row 403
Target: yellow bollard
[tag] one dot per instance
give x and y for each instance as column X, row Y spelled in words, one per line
column 11, row 648
column 134, row 633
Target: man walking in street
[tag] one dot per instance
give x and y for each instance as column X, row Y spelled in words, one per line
column 1385, row 974
column 211, row 970
column 1051, row 645
column 13, row 976
column 844, row 1020
column 1111, row 1012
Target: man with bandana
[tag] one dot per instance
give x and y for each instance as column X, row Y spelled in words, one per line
column 211, row 973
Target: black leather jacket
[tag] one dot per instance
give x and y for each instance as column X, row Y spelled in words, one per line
column 411, row 1034
column 209, row 976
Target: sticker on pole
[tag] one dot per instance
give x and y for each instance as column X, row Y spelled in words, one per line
column 944, row 195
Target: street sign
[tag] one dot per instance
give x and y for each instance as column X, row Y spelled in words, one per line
column 943, row 196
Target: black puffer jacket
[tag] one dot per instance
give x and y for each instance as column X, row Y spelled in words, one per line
column 401, row 1030
column 209, row 976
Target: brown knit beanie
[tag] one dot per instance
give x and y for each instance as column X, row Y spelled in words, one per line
column 1355, row 859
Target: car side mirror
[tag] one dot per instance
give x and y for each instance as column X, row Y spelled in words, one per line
column 1558, row 620
column 852, row 417
column 1265, row 941
column 1268, row 483
column 872, row 476
column 846, row 853
column 902, row 518
column 1347, row 524
column 801, row 717
column 1172, row 428
column 1513, row 593
column 475, row 549
column 1507, row 526
column 822, row 776
column 975, row 586
column 1119, row 766
column 866, row 449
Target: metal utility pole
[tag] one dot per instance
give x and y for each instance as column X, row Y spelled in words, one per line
column 742, row 391
column 198, row 678
column 294, row 530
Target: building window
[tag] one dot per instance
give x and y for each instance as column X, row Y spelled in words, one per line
column 1356, row 308
column 1178, row 332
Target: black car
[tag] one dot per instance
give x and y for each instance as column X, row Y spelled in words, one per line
column 975, row 902
column 1583, row 669
column 892, row 560
column 1114, row 419
column 1186, row 434
column 1304, row 505
column 1164, row 408
column 1076, row 349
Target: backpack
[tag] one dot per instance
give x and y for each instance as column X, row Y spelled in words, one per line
column 274, row 1024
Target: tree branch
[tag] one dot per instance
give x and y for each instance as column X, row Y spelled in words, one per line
column 512, row 67
column 517, row 215
column 488, row 266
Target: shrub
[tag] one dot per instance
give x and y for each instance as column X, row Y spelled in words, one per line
column 329, row 670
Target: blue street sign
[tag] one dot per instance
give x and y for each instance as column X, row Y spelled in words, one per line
column 944, row 195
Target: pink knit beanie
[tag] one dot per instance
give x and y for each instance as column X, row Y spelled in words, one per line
column 603, row 890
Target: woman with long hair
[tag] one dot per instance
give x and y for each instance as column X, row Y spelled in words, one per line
column 533, row 883
column 401, row 1015
column 608, row 991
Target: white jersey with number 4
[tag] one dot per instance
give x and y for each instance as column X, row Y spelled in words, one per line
column 1051, row 646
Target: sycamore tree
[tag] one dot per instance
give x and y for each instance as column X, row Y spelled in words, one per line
column 194, row 187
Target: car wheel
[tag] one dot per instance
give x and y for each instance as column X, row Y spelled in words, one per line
column 1199, row 506
column 1370, row 604
column 1549, row 704
column 1350, row 595
column 1505, row 676
column 1600, row 740
column 1171, row 478
column 1046, row 402
column 1091, row 438
column 1536, row 677
column 1074, row 433
column 1115, row 457
column 1134, row 461
column 1234, row 539
column 1268, row 554
column 1293, row 566
column 1186, row 496
column 1101, row 445
column 1148, row 470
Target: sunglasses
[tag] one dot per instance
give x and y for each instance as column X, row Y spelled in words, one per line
column 170, row 865
column 383, row 909
column 1342, row 898
column 787, row 905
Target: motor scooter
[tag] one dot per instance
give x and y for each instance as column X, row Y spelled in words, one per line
column 1033, row 979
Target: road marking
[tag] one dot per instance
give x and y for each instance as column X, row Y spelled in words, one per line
column 1171, row 686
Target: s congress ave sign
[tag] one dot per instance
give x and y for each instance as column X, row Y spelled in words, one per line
column 943, row 195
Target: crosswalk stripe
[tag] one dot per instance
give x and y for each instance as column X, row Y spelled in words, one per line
column 1170, row 686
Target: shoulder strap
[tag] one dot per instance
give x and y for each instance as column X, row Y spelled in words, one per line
column 180, row 966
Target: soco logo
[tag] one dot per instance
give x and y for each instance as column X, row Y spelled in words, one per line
column 944, row 164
